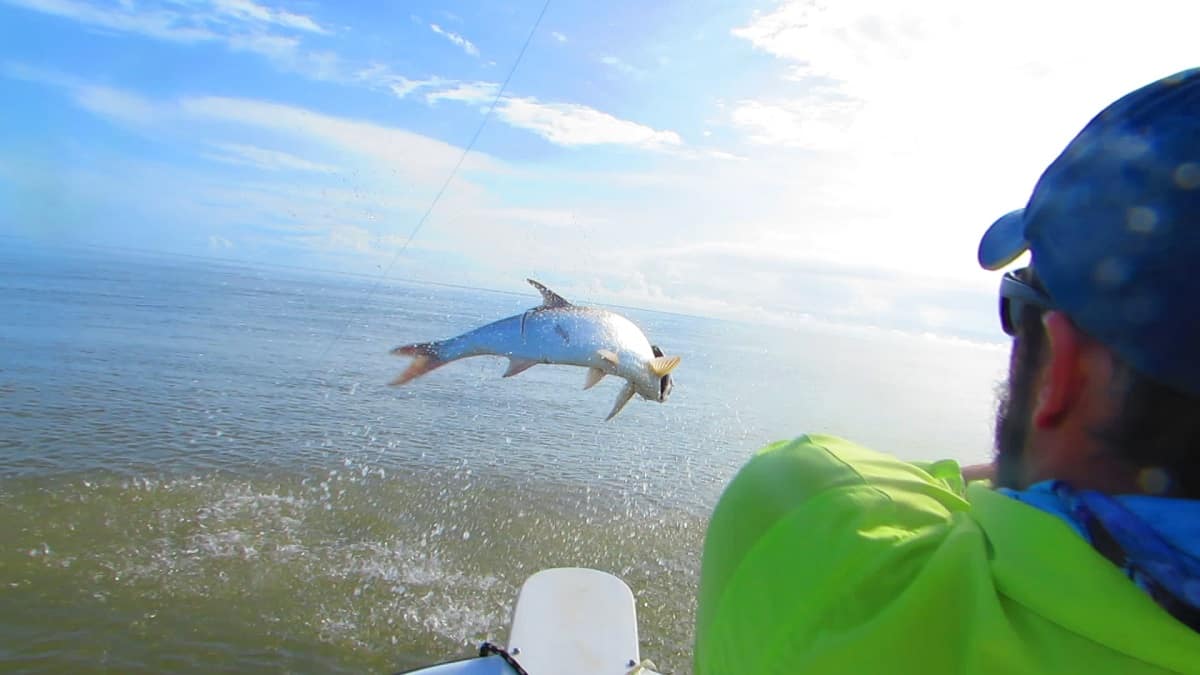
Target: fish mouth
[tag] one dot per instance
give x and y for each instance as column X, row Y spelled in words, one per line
column 665, row 383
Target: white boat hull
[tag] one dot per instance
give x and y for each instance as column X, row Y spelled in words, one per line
column 566, row 620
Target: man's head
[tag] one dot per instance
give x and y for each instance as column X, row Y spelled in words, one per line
column 1104, row 385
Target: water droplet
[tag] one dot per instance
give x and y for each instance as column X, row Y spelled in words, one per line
column 1130, row 146
column 466, row 536
column 1141, row 219
column 1110, row 272
column 1187, row 176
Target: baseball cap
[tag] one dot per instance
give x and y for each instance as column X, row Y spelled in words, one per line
column 1113, row 226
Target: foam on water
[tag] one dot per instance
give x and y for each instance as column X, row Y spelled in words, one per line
column 382, row 568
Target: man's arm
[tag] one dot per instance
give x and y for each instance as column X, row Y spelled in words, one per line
column 979, row 472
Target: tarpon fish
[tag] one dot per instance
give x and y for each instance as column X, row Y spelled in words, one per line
column 558, row 332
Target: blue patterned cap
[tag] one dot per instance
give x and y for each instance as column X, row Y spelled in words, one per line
column 1114, row 229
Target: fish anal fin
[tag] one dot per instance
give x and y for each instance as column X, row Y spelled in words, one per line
column 664, row 364
column 622, row 399
column 610, row 356
column 594, row 375
column 549, row 298
column 517, row 366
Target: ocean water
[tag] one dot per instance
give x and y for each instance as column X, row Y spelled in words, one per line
column 202, row 468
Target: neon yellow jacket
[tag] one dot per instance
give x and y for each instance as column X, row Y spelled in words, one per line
column 825, row 557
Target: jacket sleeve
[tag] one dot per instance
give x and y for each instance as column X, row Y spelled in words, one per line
column 807, row 546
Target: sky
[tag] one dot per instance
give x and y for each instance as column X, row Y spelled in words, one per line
column 778, row 160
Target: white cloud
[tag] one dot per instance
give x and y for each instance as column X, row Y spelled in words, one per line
column 414, row 155
column 116, row 104
column 219, row 243
column 570, row 124
column 276, row 47
column 565, row 124
column 344, row 237
column 929, row 118
column 480, row 93
column 722, row 155
column 652, row 237
column 800, row 122
column 891, row 136
column 239, row 25
column 558, row 36
column 619, row 65
column 178, row 22
column 244, row 25
column 267, row 160
column 399, row 86
column 247, row 10
column 156, row 23
column 771, row 276
column 457, row 39
column 927, row 69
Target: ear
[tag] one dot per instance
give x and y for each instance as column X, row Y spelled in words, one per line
column 1061, row 383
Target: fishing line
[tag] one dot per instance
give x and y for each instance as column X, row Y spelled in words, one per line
column 449, row 179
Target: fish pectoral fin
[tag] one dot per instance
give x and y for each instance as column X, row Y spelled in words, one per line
column 610, row 356
column 622, row 399
column 594, row 375
column 664, row 364
column 517, row 366
column 549, row 298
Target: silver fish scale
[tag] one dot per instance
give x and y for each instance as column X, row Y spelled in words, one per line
column 557, row 332
column 581, row 332
column 566, row 335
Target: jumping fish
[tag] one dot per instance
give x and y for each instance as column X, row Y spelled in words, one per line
column 557, row 332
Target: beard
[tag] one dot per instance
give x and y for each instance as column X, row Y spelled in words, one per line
column 1014, row 414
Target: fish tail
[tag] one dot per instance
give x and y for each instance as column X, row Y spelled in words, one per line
column 424, row 359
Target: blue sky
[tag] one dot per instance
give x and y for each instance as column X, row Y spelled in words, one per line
column 781, row 160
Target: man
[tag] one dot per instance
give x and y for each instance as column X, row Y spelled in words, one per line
column 824, row 557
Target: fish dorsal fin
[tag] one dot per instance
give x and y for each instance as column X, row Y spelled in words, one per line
column 549, row 298
column 594, row 375
column 664, row 364
column 622, row 399
column 610, row 356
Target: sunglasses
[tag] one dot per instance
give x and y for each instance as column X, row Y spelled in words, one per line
column 1017, row 295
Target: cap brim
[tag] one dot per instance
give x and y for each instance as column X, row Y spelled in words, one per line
column 1004, row 241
